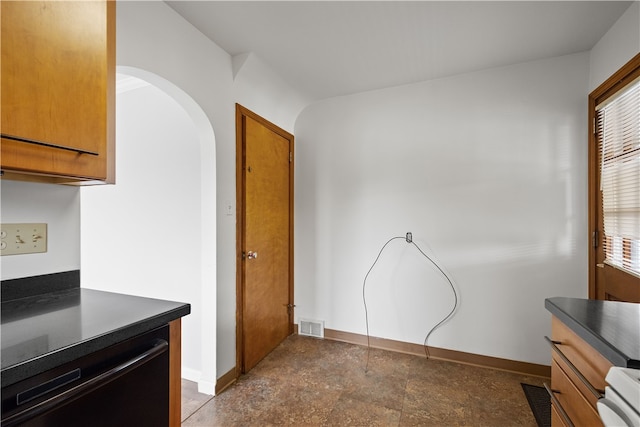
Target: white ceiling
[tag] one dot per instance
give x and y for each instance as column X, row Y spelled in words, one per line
column 331, row 48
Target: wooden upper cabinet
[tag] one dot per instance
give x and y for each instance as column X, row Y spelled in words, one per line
column 58, row 90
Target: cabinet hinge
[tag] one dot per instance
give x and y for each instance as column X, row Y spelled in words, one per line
column 594, row 238
column 290, row 157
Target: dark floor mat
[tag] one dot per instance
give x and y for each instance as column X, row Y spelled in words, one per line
column 539, row 402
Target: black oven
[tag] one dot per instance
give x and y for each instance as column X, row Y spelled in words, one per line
column 126, row 384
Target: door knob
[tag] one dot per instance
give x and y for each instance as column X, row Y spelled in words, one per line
column 252, row 255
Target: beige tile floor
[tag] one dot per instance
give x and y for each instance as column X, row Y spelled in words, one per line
column 191, row 399
column 310, row 382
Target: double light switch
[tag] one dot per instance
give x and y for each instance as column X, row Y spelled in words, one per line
column 18, row 239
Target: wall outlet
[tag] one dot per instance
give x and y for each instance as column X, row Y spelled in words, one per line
column 16, row 239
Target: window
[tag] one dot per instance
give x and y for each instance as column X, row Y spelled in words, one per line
column 618, row 136
column 614, row 186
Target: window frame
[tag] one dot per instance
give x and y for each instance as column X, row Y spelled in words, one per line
column 617, row 280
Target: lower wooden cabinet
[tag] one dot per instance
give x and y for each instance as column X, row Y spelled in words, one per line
column 574, row 403
column 577, row 378
column 175, row 374
column 556, row 419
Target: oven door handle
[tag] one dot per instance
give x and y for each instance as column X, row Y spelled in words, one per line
column 611, row 412
column 68, row 396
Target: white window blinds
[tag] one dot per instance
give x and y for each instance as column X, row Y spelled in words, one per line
column 618, row 128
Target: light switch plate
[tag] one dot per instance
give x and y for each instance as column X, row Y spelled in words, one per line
column 16, row 239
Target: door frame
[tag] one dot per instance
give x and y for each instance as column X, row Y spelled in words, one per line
column 241, row 113
column 604, row 281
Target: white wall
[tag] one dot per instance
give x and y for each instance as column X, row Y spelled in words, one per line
column 616, row 48
column 258, row 88
column 152, row 37
column 56, row 205
column 166, row 48
column 143, row 235
column 487, row 170
column 170, row 48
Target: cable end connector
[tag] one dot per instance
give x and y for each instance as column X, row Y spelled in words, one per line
column 409, row 237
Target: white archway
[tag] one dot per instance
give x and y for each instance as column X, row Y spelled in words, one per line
column 198, row 145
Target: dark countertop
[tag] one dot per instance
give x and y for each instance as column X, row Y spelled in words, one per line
column 611, row 327
column 43, row 331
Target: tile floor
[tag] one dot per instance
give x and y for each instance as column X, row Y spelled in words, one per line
column 191, row 399
column 310, row 382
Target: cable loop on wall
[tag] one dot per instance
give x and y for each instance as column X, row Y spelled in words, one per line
column 409, row 240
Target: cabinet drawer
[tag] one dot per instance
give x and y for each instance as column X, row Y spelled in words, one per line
column 591, row 364
column 556, row 418
column 578, row 408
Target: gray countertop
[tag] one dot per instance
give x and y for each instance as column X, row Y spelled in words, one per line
column 611, row 327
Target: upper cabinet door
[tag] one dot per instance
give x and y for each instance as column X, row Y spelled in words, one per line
column 58, row 89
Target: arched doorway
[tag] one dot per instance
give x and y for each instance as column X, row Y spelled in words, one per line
column 153, row 233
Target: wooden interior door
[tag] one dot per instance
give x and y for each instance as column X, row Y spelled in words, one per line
column 265, row 228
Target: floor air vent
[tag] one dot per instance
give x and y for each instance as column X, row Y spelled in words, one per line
column 311, row 328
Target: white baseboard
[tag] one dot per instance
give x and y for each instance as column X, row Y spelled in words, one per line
column 191, row 374
column 204, row 387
